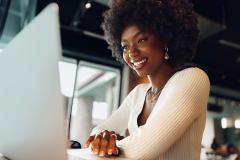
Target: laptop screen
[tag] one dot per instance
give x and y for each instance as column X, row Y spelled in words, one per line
column 32, row 124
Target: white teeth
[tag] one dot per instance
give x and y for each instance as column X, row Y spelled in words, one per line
column 139, row 62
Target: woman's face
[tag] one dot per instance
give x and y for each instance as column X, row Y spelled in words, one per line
column 142, row 50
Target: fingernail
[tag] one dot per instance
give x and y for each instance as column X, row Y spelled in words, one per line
column 102, row 153
column 110, row 151
column 116, row 152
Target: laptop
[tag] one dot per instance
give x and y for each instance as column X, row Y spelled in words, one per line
column 32, row 118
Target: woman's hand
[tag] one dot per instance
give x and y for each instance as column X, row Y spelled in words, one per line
column 103, row 144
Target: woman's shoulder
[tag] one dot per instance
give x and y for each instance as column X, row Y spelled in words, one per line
column 138, row 91
column 191, row 75
column 191, row 72
column 189, row 83
column 142, row 87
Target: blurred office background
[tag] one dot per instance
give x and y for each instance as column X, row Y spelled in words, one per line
column 95, row 83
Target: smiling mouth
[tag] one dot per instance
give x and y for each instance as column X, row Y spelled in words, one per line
column 139, row 64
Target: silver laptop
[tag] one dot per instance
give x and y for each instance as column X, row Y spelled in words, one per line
column 32, row 124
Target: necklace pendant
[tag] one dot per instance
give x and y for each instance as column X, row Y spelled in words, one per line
column 153, row 95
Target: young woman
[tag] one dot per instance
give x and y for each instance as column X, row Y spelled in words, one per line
column 165, row 119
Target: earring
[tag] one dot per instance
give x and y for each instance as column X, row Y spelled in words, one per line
column 166, row 54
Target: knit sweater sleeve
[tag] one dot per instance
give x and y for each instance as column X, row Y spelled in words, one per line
column 118, row 121
column 183, row 101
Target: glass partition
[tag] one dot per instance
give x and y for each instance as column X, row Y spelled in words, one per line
column 96, row 96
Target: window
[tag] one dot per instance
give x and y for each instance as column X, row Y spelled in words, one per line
column 96, row 96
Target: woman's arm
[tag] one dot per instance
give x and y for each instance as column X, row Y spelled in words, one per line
column 118, row 121
column 184, row 100
column 103, row 137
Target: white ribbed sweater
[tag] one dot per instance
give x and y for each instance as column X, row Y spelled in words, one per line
column 174, row 128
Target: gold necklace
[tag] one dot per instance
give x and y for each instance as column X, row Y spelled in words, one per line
column 154, row 93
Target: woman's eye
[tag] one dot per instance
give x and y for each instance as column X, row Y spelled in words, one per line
column 124, row 48
column 142, row 40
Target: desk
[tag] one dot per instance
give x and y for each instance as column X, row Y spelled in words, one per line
column 86, row 154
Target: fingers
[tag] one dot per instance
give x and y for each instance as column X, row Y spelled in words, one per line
column 90, row 139
column 116, row 151
column 112, row 144
column 95, row 144
column 112, row 132
column 104, row 143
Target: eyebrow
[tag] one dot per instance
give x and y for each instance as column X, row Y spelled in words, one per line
column 135, row 35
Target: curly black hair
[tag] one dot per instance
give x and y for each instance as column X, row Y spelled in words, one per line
column 173, row 20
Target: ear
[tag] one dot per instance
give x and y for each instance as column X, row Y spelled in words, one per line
column 163, row 44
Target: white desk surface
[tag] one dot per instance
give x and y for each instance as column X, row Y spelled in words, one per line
column 86, row 154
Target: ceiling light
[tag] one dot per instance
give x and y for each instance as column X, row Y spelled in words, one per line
column 227, row 122
column 229, row 44
column 88, row 5
column 237, row 123
column 224, row 123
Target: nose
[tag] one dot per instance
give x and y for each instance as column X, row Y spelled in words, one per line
column 133, row 51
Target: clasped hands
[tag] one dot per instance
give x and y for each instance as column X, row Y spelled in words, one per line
column 103, row 144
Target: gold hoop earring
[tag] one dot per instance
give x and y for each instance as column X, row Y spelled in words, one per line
column 166, row 54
